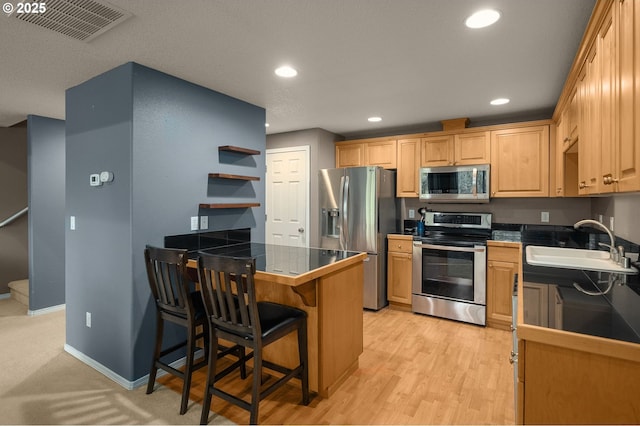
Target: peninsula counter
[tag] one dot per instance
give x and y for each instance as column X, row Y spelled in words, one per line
column 328, row 285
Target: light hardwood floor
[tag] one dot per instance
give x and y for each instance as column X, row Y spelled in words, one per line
column 415, row 369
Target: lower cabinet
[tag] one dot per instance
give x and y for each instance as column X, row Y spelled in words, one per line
column 399, row 275
column 581, row 385
column 503, row 262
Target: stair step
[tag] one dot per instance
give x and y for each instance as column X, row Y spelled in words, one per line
column 20, row 291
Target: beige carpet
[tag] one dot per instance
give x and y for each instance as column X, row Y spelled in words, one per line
column 42, row 384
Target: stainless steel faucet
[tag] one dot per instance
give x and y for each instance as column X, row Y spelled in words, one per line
column 614, row 252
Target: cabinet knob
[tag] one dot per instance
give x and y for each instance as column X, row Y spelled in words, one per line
column 567, row 139
column 399, row 245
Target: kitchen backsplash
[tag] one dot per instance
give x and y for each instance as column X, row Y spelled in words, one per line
column 562, row 211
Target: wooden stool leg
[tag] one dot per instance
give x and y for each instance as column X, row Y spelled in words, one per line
column 304, row 361
column 156, row 353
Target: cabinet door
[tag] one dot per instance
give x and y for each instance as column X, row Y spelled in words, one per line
column 380, row 154
column 536, row 304
column 350, row 155
column 589, row 130
column 399, row 277
column 472, row 148
column 558, row 169
column 500, row 277
column 408, row 168
column 628, row 156
column 520, row 162
column 608, row 105
column 436, row 151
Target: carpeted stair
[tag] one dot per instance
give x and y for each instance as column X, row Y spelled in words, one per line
column 20, row 291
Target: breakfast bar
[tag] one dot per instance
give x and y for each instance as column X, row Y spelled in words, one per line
column 328, row 285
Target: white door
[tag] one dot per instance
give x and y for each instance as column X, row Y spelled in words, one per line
column 287, row 196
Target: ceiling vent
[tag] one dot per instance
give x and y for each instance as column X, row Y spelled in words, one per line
column 80, row 19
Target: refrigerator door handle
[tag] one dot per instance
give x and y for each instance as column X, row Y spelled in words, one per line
column 345, row 212
column 341, row 214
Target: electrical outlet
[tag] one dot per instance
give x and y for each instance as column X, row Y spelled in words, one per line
column 544, row 216
column 194, row 223
column 412, row 213
column 204, row 222
column 611, row 223
column 88, row 319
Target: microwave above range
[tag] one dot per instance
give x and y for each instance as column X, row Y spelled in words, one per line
column 455, row 184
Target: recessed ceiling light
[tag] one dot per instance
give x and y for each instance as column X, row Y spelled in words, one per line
column 286, row 71
column 482, row 18
column 499, row 101
column 374, row 119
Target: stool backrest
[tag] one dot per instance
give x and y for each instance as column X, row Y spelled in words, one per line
column 168, row 279
column 228, row 290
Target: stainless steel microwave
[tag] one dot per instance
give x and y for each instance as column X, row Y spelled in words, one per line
column 455, row 184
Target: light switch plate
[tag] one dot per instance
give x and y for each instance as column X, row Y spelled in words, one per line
column 72, row 223
column 194, row 223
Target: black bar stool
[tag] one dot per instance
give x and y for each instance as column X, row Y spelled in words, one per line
column 176, row 303
column 228, row 289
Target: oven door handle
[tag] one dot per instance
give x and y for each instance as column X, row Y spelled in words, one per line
column 450, row 248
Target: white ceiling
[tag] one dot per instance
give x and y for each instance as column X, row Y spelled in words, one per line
column 412, row 62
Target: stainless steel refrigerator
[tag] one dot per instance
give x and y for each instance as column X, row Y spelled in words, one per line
column 357, row 210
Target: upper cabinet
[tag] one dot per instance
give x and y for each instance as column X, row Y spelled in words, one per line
column 520, row 162
column 627, row 170
column 600, row 104
column 457, row 149
column 408, row 174
column 367, row 152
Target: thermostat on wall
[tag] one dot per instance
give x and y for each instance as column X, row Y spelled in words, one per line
column 94, row 179
column 106, row 176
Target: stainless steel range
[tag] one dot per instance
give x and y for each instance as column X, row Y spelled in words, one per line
column 450, row 266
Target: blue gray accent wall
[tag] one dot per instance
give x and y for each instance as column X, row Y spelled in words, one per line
column 159, row 136
column 46, row 191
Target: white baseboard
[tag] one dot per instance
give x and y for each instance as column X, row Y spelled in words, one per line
column 46, row 310
column 127, row 384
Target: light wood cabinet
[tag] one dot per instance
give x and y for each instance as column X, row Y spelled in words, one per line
column 535, row 303
column 503, row 262
column 601, row 101
column 399, row 259
column 349, row 155
column 408, row 174
column 456, row 149
column 560, row 385
column 565, row 160
column 628, row 144
column 367, row 152
column 520, row 162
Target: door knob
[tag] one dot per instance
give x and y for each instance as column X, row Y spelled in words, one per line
column 301, row 230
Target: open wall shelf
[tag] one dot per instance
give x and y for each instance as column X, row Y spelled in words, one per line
column 238, row 150
column 234, row 177
column 229, row 205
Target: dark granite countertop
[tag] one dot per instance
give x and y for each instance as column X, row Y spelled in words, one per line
column 611, row 312
column 283, row 260
column 613, row 315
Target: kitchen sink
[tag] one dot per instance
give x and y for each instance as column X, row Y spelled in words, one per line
column 570, row 258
